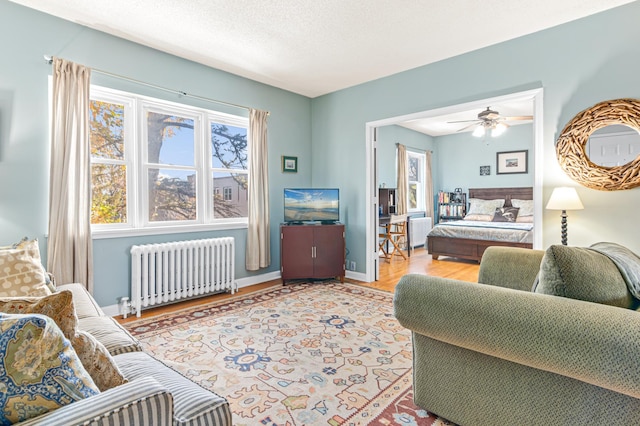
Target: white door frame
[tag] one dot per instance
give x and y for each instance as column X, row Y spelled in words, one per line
column 536, row 95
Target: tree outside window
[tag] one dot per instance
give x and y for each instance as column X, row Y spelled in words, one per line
column 167, row 185
column 415, row 177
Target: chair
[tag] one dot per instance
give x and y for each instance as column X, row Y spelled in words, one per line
column 555, row 355
column 398, row 234
column 384, row 239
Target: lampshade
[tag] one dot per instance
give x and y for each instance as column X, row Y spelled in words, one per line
column 564, row 198
column 479, row 131
column 498, row 129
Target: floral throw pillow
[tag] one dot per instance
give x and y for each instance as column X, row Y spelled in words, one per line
column 58, row 306
column 21, row 271
column 97, row 361
column 43, row 373
column 485, row 207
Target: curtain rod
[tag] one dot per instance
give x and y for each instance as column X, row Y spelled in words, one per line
column 49, row 60
column 415, row 149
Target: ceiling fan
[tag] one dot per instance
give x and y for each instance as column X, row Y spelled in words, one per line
column 490, row 120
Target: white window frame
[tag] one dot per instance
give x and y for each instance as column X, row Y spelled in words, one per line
column 420, row 201
column 135, row 129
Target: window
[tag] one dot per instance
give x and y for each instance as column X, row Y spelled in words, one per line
column 160, row 166
column 415, row 176
column 227, row 193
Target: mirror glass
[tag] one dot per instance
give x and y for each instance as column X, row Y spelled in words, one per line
column 613, row 145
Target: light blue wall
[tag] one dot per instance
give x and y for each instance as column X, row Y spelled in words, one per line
column 577, row 64
column 24, row 128
column 460, row 156
column 388, row 137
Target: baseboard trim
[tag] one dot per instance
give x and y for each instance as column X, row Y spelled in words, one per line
column 114, row 310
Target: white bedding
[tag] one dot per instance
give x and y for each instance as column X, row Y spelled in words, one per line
column 493, row 231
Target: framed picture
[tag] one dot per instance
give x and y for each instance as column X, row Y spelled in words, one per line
column 485, row 170
column 511, row 162
column 289, row 164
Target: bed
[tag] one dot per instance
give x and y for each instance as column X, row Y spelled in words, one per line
column 468, row 239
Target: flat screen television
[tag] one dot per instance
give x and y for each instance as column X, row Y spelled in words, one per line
column 311, row 205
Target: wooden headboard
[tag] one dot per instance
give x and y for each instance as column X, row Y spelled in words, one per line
column 522, row 193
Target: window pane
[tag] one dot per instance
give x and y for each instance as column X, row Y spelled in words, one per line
column 414, row 169
column 413, row 196
column 228, row 146
column 170, row 139
column 230, row 195
column 108, row 194
column 106, row 130
column 172, row 195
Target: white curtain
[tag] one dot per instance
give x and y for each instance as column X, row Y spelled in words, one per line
column 258, row 252
column 69, row 252
column 403, row 180
column 428, row 187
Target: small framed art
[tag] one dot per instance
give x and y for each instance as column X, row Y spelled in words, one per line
column 511, row 162
column 289, row 164
column 485, row 170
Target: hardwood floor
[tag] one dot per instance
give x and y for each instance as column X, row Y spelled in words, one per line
column 391, row 271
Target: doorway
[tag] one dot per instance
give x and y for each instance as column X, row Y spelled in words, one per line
column 534, row 95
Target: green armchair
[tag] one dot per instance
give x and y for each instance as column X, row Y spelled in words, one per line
column 497, row 353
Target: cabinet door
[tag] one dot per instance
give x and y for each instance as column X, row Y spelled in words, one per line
column 296, row 252
column 330, row 251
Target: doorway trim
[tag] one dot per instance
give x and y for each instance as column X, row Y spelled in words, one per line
column 536, row 95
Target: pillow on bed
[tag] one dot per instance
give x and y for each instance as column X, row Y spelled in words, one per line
column 524, row 219
column 505, row 214
column 479, row 217
column 486, row 207
column 525, row 215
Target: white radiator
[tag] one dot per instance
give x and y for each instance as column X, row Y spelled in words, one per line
column 166, row 272
column 419, row 228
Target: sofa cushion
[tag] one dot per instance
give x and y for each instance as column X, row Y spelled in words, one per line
column 57, row 306
column 192, row 404
column 97, row 361
column 40, row 368
column 582, row 273
column 112, row 335
column 86, row 305
column 22, row 273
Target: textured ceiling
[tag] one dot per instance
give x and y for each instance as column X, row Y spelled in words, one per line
column 316, row 47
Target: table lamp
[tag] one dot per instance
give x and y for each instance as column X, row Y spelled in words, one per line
column 564, row 198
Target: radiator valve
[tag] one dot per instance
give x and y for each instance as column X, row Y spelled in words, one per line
column 125, row 306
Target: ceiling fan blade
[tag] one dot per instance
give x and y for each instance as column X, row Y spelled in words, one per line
column 467, row 127
column 521, row 117
column 464, row 121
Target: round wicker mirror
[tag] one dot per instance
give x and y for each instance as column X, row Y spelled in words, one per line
column 570, row 147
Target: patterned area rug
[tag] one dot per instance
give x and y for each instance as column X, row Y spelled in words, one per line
column 305, row 354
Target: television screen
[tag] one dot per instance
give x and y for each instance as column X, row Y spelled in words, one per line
column 311, row 205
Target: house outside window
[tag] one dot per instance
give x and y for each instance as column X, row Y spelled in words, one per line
column 415, row 177
column 159, row 166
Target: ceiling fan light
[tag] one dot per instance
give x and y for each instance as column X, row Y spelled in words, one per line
column 498, row 129
column 479, row 131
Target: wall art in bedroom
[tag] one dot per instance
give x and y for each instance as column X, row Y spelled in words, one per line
column 512, row 162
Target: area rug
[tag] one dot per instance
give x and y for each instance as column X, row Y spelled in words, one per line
column 305, row 354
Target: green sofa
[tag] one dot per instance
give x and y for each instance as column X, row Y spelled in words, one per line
column 498, row 353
